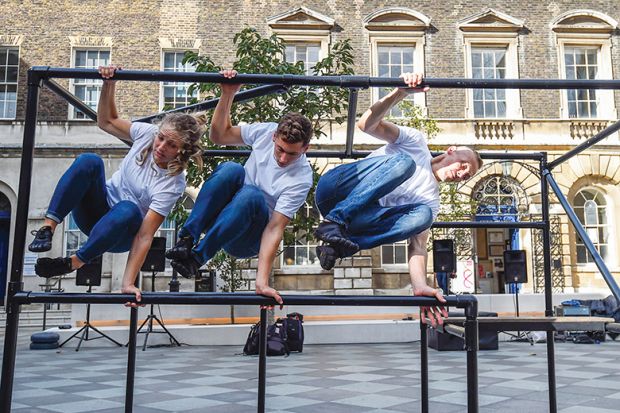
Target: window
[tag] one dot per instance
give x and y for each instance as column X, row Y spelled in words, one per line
column 397, row 37
column 394, row 253
column 166, row 230
column 175, row 94
column 392, row 61
column 74, row 238
column 490, row 42
column 302, row 251
column 584, row 52
column 9, row 69
column 489, row 63
column 88, row 90
column 581, row 62
column 591, row 209
column 308, row 53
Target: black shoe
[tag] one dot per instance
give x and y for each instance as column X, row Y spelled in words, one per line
column 187, row 268
column 42, row 240
column 53, row 267
column 182, row 250
column 327, row 256
column 335, row 235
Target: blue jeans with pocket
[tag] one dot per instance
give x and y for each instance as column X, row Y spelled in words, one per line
column 232, row 215
column 82, row 191
column 349, row 195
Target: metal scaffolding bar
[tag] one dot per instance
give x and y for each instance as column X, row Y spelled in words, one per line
column 71, row 98
column 343, row 81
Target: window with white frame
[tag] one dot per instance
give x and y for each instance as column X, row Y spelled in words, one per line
column 166, row 230
column 581, row 62
column 394, row 254
column 9, row 69
column 302, row 251
column 490, row 40
column 397, row 38
column 489, row 63
column 584, row 52
column 308, row 53
column 88, row 90
column 74, row 238
column 392, row 61
column 176, row 94
column 592, row 209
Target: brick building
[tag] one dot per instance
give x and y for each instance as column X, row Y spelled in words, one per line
column 523, row 39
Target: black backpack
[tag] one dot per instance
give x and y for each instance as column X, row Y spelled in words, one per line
column 276, row 340
column 293, row 325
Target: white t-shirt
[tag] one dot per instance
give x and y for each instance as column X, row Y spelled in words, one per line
column 146, row 185
column 422, row 187
column 285, row 189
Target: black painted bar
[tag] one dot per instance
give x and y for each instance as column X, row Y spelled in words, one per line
column 351, row 118
column 598, row 260
column 262, row 361
column 19, row 240
column 615, row 127
column 471, row 346
column 242, row 96
column 131, row 359
column 423, row 365
column 71, row 98
column 335, row 81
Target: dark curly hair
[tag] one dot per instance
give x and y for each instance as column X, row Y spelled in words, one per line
column 295, row 127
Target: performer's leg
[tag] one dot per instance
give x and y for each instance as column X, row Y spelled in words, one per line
column 215, row 194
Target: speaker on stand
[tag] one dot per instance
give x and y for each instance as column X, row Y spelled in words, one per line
column 444, row 262
column 154, row 262
column 89, row 275
column 515, row 272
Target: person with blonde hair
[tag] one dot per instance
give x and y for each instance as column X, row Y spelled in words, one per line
column 123, row 213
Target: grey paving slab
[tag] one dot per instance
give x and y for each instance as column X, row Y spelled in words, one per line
column 382, row 378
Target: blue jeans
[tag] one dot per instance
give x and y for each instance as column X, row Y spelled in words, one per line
column 349, row 195
column 82, row 190
column 232, row 215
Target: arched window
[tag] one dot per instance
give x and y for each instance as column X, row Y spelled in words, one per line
column 500, row 195
column 591, row 208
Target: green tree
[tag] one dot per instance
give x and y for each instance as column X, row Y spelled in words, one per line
column 322, row 105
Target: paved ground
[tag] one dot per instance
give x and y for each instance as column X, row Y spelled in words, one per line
column 324, row 378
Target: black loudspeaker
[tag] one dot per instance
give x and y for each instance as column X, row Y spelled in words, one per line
column 205, row 282
column 515, row 268
column 89, row 274
column 155, row 259
column 444, row 258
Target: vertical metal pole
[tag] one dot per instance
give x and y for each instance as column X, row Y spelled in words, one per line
column 262, row 360
column 131, row 359
column 544, row 194
column 351, row 117
column 471, row 345
column 19, row 240
column 423, row 364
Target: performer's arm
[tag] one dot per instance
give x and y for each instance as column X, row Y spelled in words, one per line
column 139, row 248
column 372, row 121
column 107, row 115
column 270, row 241
column 222, row 130
column 417, row 270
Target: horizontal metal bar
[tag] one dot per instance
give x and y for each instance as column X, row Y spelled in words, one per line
column 71, row 98
column 336, row 81
column 489, row 224
column 189, row 298
column 454, row 330
column 598, row 260
column 585, row 145
column 242, row 96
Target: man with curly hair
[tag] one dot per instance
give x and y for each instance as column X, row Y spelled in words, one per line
column 245, row 209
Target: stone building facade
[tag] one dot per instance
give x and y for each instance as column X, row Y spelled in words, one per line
column 522, row 39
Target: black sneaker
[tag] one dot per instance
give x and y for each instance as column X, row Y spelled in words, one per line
column 327, row 256
column 42, row 239
column 53, row 267
column 334, row 234
column 188, row 268
column 182, row 250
